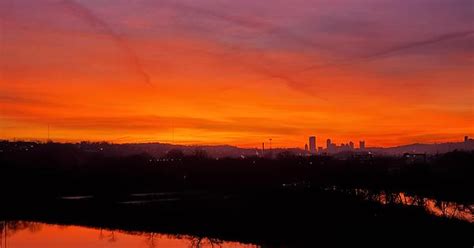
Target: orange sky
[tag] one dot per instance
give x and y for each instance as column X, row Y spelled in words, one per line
column 237, row 72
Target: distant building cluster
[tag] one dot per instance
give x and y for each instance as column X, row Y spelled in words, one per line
column 331, row 148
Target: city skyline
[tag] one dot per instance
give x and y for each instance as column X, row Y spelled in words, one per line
column 329, row 146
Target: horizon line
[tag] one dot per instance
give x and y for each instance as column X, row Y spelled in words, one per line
column 44, row 141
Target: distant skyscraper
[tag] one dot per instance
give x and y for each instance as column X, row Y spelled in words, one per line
column 351, row 145
column 312, row 144
column 320, row 150
column 362, row 144
column 306, row 147
column 328, row 143
column 466, row 138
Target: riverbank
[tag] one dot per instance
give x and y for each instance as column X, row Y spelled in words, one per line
column 287, row 218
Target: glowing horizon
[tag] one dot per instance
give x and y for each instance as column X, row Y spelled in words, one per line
column 237, row 72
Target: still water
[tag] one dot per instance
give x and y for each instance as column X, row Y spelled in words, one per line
column 445, row 209
column 23, row 234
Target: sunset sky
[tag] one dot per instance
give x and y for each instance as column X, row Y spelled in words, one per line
column 237, row 72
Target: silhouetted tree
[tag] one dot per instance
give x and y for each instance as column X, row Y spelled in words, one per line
column 175, row 154
column 198, row 242
column 200, row 154
column 286, row 155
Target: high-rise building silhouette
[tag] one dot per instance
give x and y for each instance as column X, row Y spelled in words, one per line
column 466, row 138
column 328, row 143
column 351, row 145
column 320, row 150
column 362, row 144
column 306, row 147
column 312, row 144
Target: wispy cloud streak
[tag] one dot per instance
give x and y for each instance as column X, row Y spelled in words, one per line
column 392, row 51
column 89, row 17
column 265, row 27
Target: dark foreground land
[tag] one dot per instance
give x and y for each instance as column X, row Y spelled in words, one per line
column 272, row 219
column 286, row 202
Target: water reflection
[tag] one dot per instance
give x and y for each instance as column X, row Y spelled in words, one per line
column 23, row 234
column 433, row 206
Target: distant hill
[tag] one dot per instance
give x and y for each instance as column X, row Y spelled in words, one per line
column 221, row 151
column 426, row 148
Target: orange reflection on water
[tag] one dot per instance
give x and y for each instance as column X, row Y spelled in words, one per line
column 435, row 207
column 21, row 234
column 438, row 208
column 451, row 210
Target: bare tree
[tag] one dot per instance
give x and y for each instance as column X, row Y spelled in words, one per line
column 198, row 242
